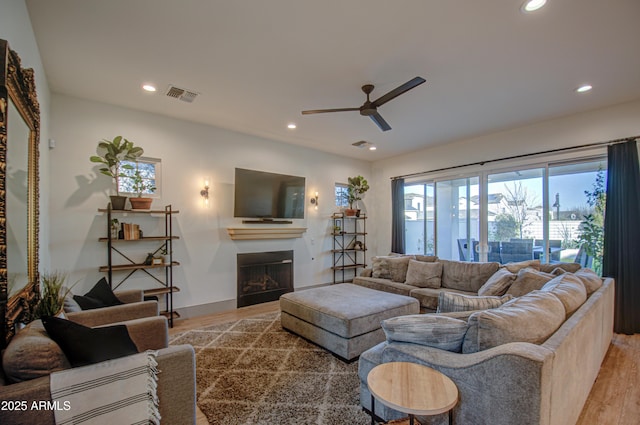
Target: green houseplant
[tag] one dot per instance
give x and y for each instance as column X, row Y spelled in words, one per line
column 141, row 186
column 357, row 187
column 111, row 153
column 53, row 293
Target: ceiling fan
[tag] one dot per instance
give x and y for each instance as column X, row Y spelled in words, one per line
column 369, row 108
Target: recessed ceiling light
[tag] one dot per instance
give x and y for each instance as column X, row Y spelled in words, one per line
column 533, row 5
column 372, row 148
column 291, row 126
column 584, row 88
column 149, row 87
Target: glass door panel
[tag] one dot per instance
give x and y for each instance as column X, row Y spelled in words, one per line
column 515, row 214
column 419, row 218
column 457, row 218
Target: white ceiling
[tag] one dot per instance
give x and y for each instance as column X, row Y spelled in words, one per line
column 257, row 64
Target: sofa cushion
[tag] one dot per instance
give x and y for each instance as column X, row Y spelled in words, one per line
column 428, row 297
column 99, row 296
column 390, row 267
column 498, row 283
column 424, row 274
column 385, row 285
column 32, row 354
column 533, row 318
column 449, row 302
column 517, row 266
column 528, row 280
column 591, row 281
column 426, row 258
column 83, row 345
column 569, row 290
column 466, row 276
column 441, row 332
column 567, row 267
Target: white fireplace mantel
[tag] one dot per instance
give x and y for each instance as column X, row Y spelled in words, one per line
column 248, row 233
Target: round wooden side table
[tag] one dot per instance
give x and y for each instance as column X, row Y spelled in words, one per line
column 411, row 388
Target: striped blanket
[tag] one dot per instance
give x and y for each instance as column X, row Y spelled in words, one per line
column 119, row 391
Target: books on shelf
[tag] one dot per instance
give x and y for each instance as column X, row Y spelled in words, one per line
column 131, row 231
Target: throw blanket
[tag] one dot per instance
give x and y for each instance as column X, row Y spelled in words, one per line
column 119, row 391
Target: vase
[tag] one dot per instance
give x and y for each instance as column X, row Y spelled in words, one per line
column 350, row 212
column 117, row 202
column 140, row 203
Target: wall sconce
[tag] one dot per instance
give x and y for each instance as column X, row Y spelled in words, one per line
column 205, row 193
column 314, row 200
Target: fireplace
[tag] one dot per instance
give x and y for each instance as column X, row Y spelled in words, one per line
column 264, row 276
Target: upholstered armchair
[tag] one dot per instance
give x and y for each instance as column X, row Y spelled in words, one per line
column 133, row 307
column 32, row 356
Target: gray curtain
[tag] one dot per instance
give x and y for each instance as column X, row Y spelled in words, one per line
column 397, row 216
column 622, row 234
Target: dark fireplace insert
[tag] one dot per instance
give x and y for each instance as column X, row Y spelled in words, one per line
column 264, row 276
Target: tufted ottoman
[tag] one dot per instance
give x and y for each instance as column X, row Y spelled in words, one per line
column 343, row 318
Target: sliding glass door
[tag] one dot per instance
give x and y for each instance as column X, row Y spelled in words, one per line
column 419, row 216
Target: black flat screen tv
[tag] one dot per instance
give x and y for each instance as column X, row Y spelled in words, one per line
column 263, row 195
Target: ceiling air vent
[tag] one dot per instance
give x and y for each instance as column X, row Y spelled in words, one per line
column 184, row 95
column 362, row 144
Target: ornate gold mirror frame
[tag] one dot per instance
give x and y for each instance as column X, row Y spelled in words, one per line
column 17, row 88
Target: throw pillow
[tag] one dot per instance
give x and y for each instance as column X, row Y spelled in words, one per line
column 99, row 296
column 567, row 267
column 466, row 276
column 83, row 345
column 516, row 267
column 449, row 302
column 70, row 305
column 440, row 332
column 569, row 290
column 498, row 283
column 427, row 258
column 32, row 354
column 391, row 267
column 533, row 318
column 423, row 275
column 528, row 280
column 591, row 281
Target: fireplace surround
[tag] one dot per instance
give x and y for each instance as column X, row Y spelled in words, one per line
column 263, row 276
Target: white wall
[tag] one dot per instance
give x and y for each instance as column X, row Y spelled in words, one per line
column 15, row 27
column 189, row 152
column 601, row 125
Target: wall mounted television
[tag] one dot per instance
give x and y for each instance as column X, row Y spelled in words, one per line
column 268, row 196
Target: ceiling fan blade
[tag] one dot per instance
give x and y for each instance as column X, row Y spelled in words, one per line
column 398, row 91
column 380, row 122
column 321, row 111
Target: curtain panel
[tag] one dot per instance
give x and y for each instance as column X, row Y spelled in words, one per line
column 397, row 216
column 621, row 257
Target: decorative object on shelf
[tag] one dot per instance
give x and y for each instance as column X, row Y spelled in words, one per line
column 115, row 228
column 314, row 200
column 131, row 231
column 149, row 260
column 337, row 226
column 356, row 189
column 349, row 249
column 140, row 186
column 111, row 153
column 166, row 258
column 205, row 193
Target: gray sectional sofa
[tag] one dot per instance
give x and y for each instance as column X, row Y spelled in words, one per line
column 532, row 360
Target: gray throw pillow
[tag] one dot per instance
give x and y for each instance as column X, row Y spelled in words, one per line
column 569, row 290
column 567, row 267
column 466, row 276
column 498, row 283
column 390, row 267
column 423, row 275
column 528, row 280
column 441, row 332
column 449, row 302
column 591, row 281
column 533, row 318
column 516, row 267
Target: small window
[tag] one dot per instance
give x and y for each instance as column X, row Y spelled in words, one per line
column 149, row 169
column 341, row 195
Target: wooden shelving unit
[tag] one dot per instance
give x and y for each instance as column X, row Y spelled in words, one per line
column 165, row 287
column 349, row 246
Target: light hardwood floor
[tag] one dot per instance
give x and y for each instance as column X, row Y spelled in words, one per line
column 614, row 398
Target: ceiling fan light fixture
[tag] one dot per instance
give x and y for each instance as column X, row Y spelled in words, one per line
column 533, row 5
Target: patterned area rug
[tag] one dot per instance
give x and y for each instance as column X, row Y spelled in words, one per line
column 254, row 372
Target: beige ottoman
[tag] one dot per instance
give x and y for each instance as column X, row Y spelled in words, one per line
column 343, row 318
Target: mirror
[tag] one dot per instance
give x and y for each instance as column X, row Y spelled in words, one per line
column 19, row 139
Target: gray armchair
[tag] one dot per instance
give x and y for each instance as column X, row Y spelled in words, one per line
column 134, row 307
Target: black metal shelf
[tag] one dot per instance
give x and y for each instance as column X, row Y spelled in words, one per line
column 347, row 258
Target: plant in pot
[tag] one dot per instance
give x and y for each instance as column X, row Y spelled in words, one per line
column 140, row 186
column 112, row 153
column 356, row 189
column 53, row 293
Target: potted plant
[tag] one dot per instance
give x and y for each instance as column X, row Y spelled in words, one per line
column 53, row 293
column 356, row 189
column 141, row 186
column 111, row 153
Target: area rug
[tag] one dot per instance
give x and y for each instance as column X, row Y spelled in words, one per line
column 253, row 372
